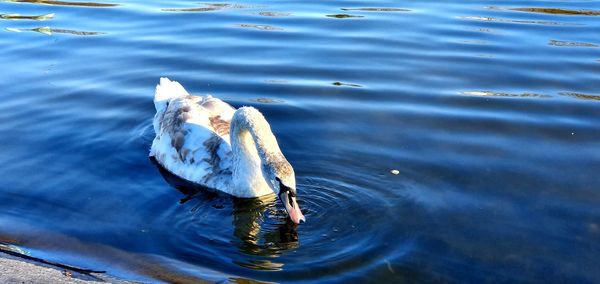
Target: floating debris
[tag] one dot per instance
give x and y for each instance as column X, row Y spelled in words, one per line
column 377, row 9
column 571, row 43
column 63, row 3
column 500, row 94
column 346, row 84
column 342, row 16
column 23, row 17
column 395, row 172
column 559, row 11
column 49, row 31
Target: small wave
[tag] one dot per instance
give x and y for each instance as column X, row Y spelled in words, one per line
column 502, row 94
column 571, row 43
column 261, row 27
column 493, row 19
column 377, row 9
column 273, row 14
column 210, row 7
column 268, row 101
column 25, row 17
column 64, row 3
column 50, row 31
column 581, row 96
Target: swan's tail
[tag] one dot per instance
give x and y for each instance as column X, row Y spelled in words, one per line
column 165, row 91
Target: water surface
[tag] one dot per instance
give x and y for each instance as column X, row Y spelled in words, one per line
column 432, row 141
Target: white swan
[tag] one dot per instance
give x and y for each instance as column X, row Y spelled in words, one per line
column 207, row 142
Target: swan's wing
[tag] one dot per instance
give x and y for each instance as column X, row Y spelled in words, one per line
column 166, row 90
column 193, row 140
column 220, row 114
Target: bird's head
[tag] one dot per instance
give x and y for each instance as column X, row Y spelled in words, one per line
column 283, row 183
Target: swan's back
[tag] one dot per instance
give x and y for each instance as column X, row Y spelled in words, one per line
column 192, row 136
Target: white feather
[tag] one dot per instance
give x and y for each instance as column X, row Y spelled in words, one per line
column 193, row 142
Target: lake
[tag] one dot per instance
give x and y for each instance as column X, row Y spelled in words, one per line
column 450, row 141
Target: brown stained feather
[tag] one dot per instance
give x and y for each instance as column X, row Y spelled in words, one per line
column 216, row 107
column 212, row 147
column 219, row 125
column 177, row 140
column 173, row 121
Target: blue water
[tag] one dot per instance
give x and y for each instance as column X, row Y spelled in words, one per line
column 488, row 110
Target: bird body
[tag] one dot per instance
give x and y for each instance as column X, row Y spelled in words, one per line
column 206, row 141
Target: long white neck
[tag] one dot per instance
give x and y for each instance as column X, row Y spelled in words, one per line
column 253, row 145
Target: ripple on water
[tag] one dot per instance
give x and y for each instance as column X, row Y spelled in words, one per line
column 360, row 97
column 571, row 43
column 339, row 236
column 261, row 27
column 250, row 232
column 559, row 11
column 504, row 20
column 268, row 101
column 256, row 233
column 574, row 95
column 273, row 14
column 211, row 7
column 66, row 3
column 50, row 31
column 343, row 16
column 377, row 9
column 503, row 94
column 581, row 96
column 26, row 17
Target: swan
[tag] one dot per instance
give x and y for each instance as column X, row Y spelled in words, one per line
column 205, row 141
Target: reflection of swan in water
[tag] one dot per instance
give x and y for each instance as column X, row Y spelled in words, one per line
column 250, row 228
column 248, row 216
column 207, row 142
